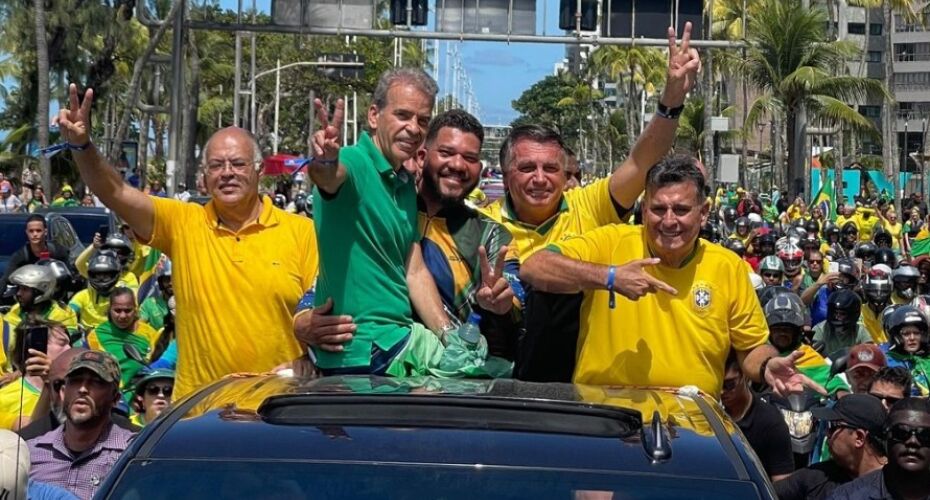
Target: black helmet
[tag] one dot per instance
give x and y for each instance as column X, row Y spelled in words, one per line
column 881, row 238
column 866, row 251
column 905, row 280
column 119, row 244
column 843, row 308
column 768, row 293
column 736, row 246
column 850, row 270
column 766, row 244
column 709, row 232
column 830, row 231
column 786, row 308
column 742, row 224
column 907, row 315
column 850, row 228
column 729, row 214
column 812, row 227
column 811, row 241
column 877, row 287
column 885, row 256
column 280, row 200
column 103, row 271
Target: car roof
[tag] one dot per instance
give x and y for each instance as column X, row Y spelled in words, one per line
column 493, row 422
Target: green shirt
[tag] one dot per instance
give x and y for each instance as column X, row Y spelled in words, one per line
column 365, row 232
column 833, row 340
column 153, row 311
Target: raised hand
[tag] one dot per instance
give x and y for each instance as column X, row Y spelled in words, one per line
column 75, row 120
column 784, row 378
column 326, row 141
column 633, row 282
column 494, row 295
column 683, row 67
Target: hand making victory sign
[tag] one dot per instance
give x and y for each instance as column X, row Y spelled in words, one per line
column 75, row 119
column 325, row 169
column 683, row 67
column 494, row 295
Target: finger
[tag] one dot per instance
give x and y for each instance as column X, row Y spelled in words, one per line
column 85, row 107
column 484, row 295
column 336, row 338
column 686, row 38
column 795, row 356
column 500, row 286
column 647, row 262
column 661, row 285
column 331, row 347
column 321, row 114
column 807, row 381
column 74, row 105
column 672, row 45
column 501, row 260
column 339, row 114
column 486, row 275
column 328, row 320
column 325, row 308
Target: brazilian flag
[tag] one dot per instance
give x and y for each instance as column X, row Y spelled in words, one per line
column 824, row 197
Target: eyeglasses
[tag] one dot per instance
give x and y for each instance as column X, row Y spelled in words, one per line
column 890, row 400
column 836, row 425
column 729, row 385
column 901, row 433
column 154, row 390
column 237, row 166
column 771, row 275
column 815, row 261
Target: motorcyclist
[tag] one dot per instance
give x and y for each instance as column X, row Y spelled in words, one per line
column 850, row 237
column 120, row 246
column 787, row 318
column 709, row 232
column 909, row 346
column 866, row 253
column 742, row 232
column 905, row 279
column 728, row 224
column 887, row 257
column 93, row 303
column 877, row 290
column 772, row 271
column 831, row 245
column 817, row 295
column 736, row 246
column 35, row 289
column 792, row 256
column 841, row 329
column 882, row 238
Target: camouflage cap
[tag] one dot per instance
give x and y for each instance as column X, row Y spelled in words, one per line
column 99, row 362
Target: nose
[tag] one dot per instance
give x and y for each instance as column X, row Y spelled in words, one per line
column 539, row 176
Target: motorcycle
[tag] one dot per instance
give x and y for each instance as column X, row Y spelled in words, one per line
column 802, row 425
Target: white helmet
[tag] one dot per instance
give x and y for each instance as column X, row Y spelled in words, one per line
column 39, row 278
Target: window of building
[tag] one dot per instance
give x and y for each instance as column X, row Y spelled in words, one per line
column 875, row 29
column 875, row 56
column 855, row 28
column 874, row 112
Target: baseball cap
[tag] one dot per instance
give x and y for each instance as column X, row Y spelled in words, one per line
column 14, row 465
column 862, row 411
column 868, row 355
column 99, row 362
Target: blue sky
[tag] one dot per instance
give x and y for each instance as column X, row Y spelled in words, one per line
column 499, row 72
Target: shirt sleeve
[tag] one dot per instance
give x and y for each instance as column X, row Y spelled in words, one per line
column 595, row 201
column 593, row 246
column 170, row 216
column 792, row 487
column 748, row 328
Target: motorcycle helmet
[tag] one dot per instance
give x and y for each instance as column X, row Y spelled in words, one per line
column 882, row 238
column 280, row 200
column 742, row 226
column 830, row 232
column 766, row 245
column 885, row 256
column 709, row 232
column 119, row 244
column 812, row 227
column 850, row 273
column 736, row 246
column 905, row 279
column 771, row 263
column 843, row 308
column 866, row 252
column 922, row 303
column 791, row 256
column 103, row 271
column 39, row 278
column 729, row 215
column 60, row 272
column 811, row 242
column 907, row 315
column 786, row 308
column 768, row 293
column 877, row 287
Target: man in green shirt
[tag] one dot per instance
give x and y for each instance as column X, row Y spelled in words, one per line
column 154, row 309
column 365, row 209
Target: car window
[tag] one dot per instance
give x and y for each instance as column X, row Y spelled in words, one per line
column 85, row 225
column 12, row 236
column 63, row 235
column 182, row 479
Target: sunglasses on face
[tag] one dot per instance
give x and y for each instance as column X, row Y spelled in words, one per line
column 889, row 400
column 834, row 426
column 729, row 385
column 815, row 261
column 771, row 275
column 901, row 433
column 154, row 390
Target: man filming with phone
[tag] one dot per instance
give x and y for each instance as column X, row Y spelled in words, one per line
column 38, row 344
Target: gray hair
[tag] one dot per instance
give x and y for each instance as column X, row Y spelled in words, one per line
column 412, row 76
column 535, row 133
column 256, row 149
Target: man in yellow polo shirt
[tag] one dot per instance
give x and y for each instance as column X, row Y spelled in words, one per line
column 240, row 264
column 672, row 312
column 538, row 211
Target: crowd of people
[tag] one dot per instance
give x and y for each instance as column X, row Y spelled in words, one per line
column 639, row 278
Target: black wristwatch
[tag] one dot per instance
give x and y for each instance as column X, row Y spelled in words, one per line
column 667, row 112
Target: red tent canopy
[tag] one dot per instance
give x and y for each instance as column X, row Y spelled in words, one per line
column 275, row 165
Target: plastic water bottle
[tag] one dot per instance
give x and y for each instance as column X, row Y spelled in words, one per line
column 470, row 332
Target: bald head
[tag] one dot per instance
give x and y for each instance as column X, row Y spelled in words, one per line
column 237, row 134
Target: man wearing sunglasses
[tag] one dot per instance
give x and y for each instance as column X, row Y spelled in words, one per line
column 152, row 396
column 890, row 385
column 854, row 427
column 907, row 442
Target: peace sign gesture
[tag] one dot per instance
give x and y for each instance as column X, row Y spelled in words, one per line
column 683, row 66
column 75, row 120
column 326, row 141
column 494, row 293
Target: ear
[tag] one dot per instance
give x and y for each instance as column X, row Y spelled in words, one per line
column 373, row 113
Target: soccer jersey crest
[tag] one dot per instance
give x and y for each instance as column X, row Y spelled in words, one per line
column 701, row 296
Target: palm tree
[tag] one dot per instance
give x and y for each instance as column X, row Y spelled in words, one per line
column 42, row 92
column 791, row 64
column 635, row 70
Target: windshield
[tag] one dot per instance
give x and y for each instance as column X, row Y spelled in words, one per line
column 12, row 236
column 181, row 479
column 85, row 225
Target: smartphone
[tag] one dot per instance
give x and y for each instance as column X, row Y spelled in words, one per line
column 834, row 267
column 35, row 338
column 104, row 231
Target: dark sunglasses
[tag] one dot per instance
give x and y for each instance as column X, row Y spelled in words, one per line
column 815, row 261
column 890, row 400
column 771, row 275
column 154, row 390
column 901, row 433
column 729, row 385
column 836, row 425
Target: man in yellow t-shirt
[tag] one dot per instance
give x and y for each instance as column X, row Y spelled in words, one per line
column 240, row 265
column 683, row 304
column 865, row 220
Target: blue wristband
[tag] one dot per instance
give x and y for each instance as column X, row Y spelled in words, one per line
column 611, row 274
column 75, row 147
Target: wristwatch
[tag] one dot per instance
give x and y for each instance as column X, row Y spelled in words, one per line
column 667, row 112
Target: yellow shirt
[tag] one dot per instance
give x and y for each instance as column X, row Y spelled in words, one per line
column 873, row 324
column 10, row 412
column 236, row 292
column 128, row 279
column 895, row 230
column 865, row 225
column 581, row 210
column 14, row 317
column 664, row 340
column 91, row 308
column 841, row 221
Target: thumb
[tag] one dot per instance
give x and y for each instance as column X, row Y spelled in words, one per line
column 326, row 308
column 794, row 356
column 646, row 262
